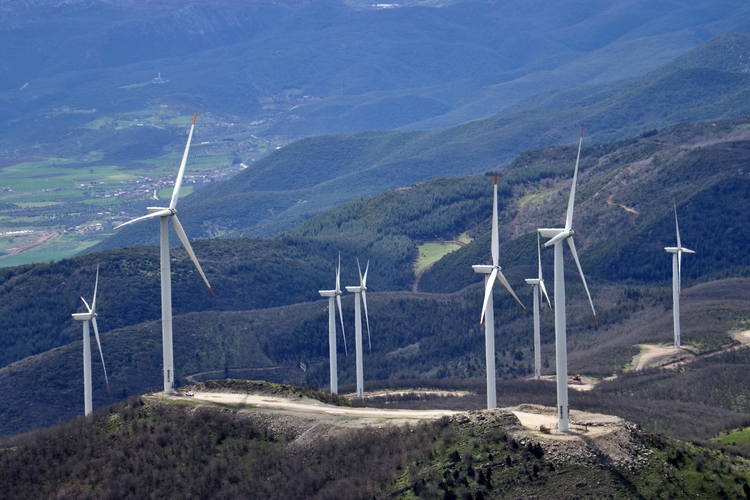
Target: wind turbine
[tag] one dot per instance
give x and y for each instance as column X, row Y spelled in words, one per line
column 87, row 317
column 539, row 289
column 677, row 279
column 557, row 237
column 164, row 215
column 358, row 291
column 334, row 295
column 490, row 274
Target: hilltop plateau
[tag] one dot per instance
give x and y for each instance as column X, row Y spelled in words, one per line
column 227, row 451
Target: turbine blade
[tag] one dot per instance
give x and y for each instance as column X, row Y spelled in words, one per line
column 679, row 270
column 367, row 319
column 338, row 276
column 583, row 278
column 501, row 279
column 98, row 343
column 181, row 172
column 495, row 241
column 183, row 238
column 359, row 268
column 543, row 290
column 96, row 286
column 677, row 227
column 161, row 213
column 341, row 317
column 86, row 304
column 487, row 290
column 569, row 218
column 539, row 255
column 561, row 236
column 364, row 280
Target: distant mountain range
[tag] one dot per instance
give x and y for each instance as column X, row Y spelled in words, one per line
column 312, row 175
column 320, row 67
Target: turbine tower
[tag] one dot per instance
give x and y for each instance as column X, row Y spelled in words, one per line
column 561, row 349
column 334, row 295
column 539, row 289
column 87, row 317
column 677, row 279
column 358, row 291
column 490, row 274
column 164, row 215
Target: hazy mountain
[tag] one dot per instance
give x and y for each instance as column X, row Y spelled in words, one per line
column 315, row 174
column 359, row 68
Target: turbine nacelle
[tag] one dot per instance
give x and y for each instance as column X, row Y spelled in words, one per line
column 483, row 269
column 167, row 211
column 534, row 281
column 329, row 293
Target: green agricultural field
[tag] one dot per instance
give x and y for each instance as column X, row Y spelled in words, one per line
column 63, row 247
column 52, row 195
column 432, row 252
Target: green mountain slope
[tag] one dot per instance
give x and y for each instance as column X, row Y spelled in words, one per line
column 624, row 219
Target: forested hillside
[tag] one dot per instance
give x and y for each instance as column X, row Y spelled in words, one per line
column 415, row 337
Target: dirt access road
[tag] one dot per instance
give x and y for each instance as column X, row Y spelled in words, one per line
column 315, row 409
column 659, row 355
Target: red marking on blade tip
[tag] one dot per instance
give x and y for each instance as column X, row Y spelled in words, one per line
column 195, row 115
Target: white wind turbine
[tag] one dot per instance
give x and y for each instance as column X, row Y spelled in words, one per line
column 677, row 279
column 490, row 274
column 358, row 291
column 164, row 215
column 539, row 289
column 334, row 295
column 87, row 317
column 557, row 237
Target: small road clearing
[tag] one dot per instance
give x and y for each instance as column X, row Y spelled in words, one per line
column 666, row 356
